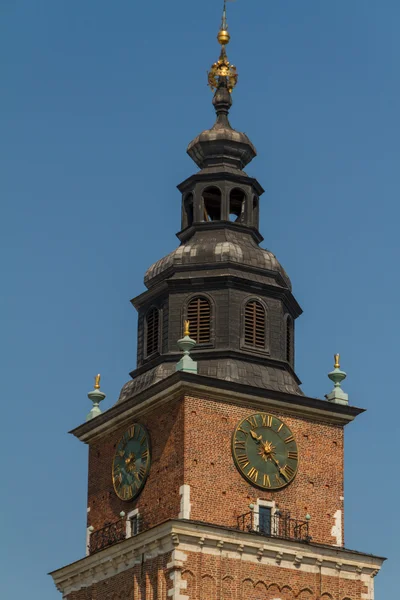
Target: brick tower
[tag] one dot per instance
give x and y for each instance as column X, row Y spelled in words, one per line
column 214, row 477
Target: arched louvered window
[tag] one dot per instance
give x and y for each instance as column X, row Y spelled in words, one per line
column 289, row 339
column 255, row 325
column 199, row 316
column 152, row 331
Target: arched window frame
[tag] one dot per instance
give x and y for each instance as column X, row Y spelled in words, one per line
column 242, row 217
column 203, row 204
column 244, row 344
column 255, row 210
column 188, row 210
column 289, row 339
column 156, row 350
column 210, row 301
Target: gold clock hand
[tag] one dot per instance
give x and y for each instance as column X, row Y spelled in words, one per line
column 281, row 471
column 256, row 437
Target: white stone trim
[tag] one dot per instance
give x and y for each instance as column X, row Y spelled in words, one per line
column 336, row 530
column 129, row 516
column 180, row 537
column 88, row 534
column 178, row 584
column 186, row 507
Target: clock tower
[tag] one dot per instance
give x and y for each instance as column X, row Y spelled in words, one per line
column 213, row 477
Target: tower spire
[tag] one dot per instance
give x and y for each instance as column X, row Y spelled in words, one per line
column 222, row 73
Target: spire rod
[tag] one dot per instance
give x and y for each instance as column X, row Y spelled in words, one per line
column 222, row 73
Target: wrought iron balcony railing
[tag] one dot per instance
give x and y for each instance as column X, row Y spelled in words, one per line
column 112, row 533
column 280, row 525
column 109, row 535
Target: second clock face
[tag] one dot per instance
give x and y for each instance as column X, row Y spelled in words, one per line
column 265, row 451
column 131, row 463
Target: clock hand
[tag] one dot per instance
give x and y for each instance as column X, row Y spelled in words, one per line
column 256, row 437
column 277, row 464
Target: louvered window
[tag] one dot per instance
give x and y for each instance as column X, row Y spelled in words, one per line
column 199, row 316
column 289, row 339
column 152, row 333
column 254, row 325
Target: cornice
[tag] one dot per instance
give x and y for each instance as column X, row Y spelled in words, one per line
column 182, row 384
column 227, row 279
column 190, row 536
column 221, row 175
column 218, row 354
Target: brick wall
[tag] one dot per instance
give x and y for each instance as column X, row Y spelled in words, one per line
column 160, row 499
column 211, row 577
column 191, row 444
column 219, row 494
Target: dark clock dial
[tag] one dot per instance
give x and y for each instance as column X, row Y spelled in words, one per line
column 131, row 462
column 265, row 451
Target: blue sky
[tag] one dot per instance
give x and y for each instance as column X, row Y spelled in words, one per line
column 98, row 103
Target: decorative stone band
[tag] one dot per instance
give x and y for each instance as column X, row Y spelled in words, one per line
column 182, row 384
column 180, row 537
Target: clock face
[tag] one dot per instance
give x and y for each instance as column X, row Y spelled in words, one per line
column 265, row 451
column 131, row 463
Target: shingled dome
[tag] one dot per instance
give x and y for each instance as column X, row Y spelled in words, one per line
column 226, row 247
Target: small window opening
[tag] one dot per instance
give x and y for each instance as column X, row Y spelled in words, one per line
column 289, row 339
column 264, row 520
column 188, row 206
column 134, row 522
column 199, row 316
column 152, row 331
column 236, row 205
column 212, row 204
column 254, row 324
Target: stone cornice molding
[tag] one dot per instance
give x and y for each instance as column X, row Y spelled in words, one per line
column 182, row 384
column 189, row 536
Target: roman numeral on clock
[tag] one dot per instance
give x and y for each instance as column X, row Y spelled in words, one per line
column 266, row 420
column 253, row 474
column 266, row 481
column 243, row 460
column 252, row 421
column 288, row 472
column 240, row 444
column 293, row 455
column 289, row 439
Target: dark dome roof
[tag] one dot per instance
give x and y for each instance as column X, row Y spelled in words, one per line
column 226, row 247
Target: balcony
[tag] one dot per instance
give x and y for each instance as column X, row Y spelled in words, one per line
column 112, row 533
column 279, row 525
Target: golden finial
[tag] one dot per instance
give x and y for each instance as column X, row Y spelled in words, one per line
column 223, row 35
column 97, row 382
column 337, row 363
column 186, row 331
column 222, row 69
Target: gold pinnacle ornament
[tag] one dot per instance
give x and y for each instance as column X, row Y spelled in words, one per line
column 186, row 325
column 222, row 69
column 97, row 382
